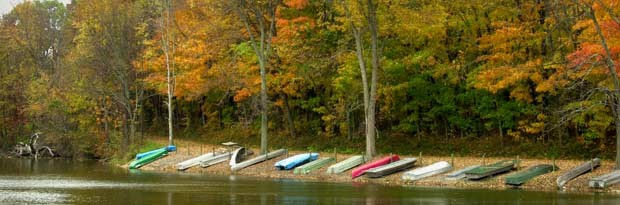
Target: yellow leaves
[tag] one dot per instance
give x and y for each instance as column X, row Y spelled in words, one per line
column 521, row 93
column 534, row 128
column 415, row 26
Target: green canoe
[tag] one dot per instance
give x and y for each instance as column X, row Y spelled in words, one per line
column 519, row 178
column 314, row 165
column 147, row 159
column 492, row 169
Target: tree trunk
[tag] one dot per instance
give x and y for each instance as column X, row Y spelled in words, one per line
column 263, row 111
column 359, row 51
column 349, row 125
column 369, row 94
column 265, row 15
column 612, row 69
column 289, row 117
column 374, row 41
column 125, row 128
column 501, row 134
column 169, row 73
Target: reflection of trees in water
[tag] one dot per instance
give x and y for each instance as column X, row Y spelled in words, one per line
column 170, row 198
column 371, row 197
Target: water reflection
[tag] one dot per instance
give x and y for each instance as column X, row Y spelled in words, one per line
column 169, row 194
column 32, row 197
column 62, row 182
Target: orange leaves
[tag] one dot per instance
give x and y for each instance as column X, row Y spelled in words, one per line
column 297, row 4
column 242, row 94
column 588, row 53
column 290, row 30
column 513, row 59
column 511, row 77
column 590, row 56
column 202, row 39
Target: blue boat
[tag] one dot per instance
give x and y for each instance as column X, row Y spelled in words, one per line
column 297, row 160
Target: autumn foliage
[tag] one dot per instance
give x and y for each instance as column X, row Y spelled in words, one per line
column 522, row 73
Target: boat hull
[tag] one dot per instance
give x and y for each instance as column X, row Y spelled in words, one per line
column 518, row 179
column 136, row 164
column 257, row 159
column 427, row 171
column 605, row 180
column 577, row 171
column 314, row 165
column 391, row 168
column 490, row 170
column 193, row 162
column 238, row 156
column 144, row 154
column 218, row 158
column 295, row 161
column 345, row 164
column 460, row 174
column 383, row 161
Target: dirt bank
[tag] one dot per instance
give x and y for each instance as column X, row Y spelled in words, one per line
column 187, row 150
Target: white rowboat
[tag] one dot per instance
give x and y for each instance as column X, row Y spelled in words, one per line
column 427, row 171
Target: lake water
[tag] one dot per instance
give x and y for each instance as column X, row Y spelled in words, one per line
column 24, row 181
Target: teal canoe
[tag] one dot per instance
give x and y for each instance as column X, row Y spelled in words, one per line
column 519, row 178
column 145, row 154
column 148, row 159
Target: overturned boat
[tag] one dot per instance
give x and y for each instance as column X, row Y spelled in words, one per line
column 490, row 170
column 314, row 165
column 295, row 161
column 605, row 180
column 215, row 159
column 391, row 168
column 460, row 174
column 576, row 171
column 194, row 161
column 519, row 178
column 146, row 159
column 427, row 171
column 380, row 162
column 345, row 164
column 257, row 159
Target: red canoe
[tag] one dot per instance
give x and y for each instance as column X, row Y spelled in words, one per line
column 380, row 162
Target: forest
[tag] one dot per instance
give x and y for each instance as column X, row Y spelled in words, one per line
column 471, row 77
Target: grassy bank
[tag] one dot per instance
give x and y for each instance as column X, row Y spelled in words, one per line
column 188, row 149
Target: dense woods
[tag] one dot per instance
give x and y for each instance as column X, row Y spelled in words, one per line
column 524, row 75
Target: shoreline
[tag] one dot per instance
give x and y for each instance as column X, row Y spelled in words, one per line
column 266, row 170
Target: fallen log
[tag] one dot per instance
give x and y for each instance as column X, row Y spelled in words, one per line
column 32, row 148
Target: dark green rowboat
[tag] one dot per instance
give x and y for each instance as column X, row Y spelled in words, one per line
column 492, row 169
column 148, row 159
column 518, row 179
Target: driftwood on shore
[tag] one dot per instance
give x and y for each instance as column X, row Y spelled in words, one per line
column 33, row 149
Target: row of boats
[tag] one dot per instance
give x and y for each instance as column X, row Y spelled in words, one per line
column 308, row 162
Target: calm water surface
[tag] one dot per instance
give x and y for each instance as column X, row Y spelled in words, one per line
column 25, row 181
